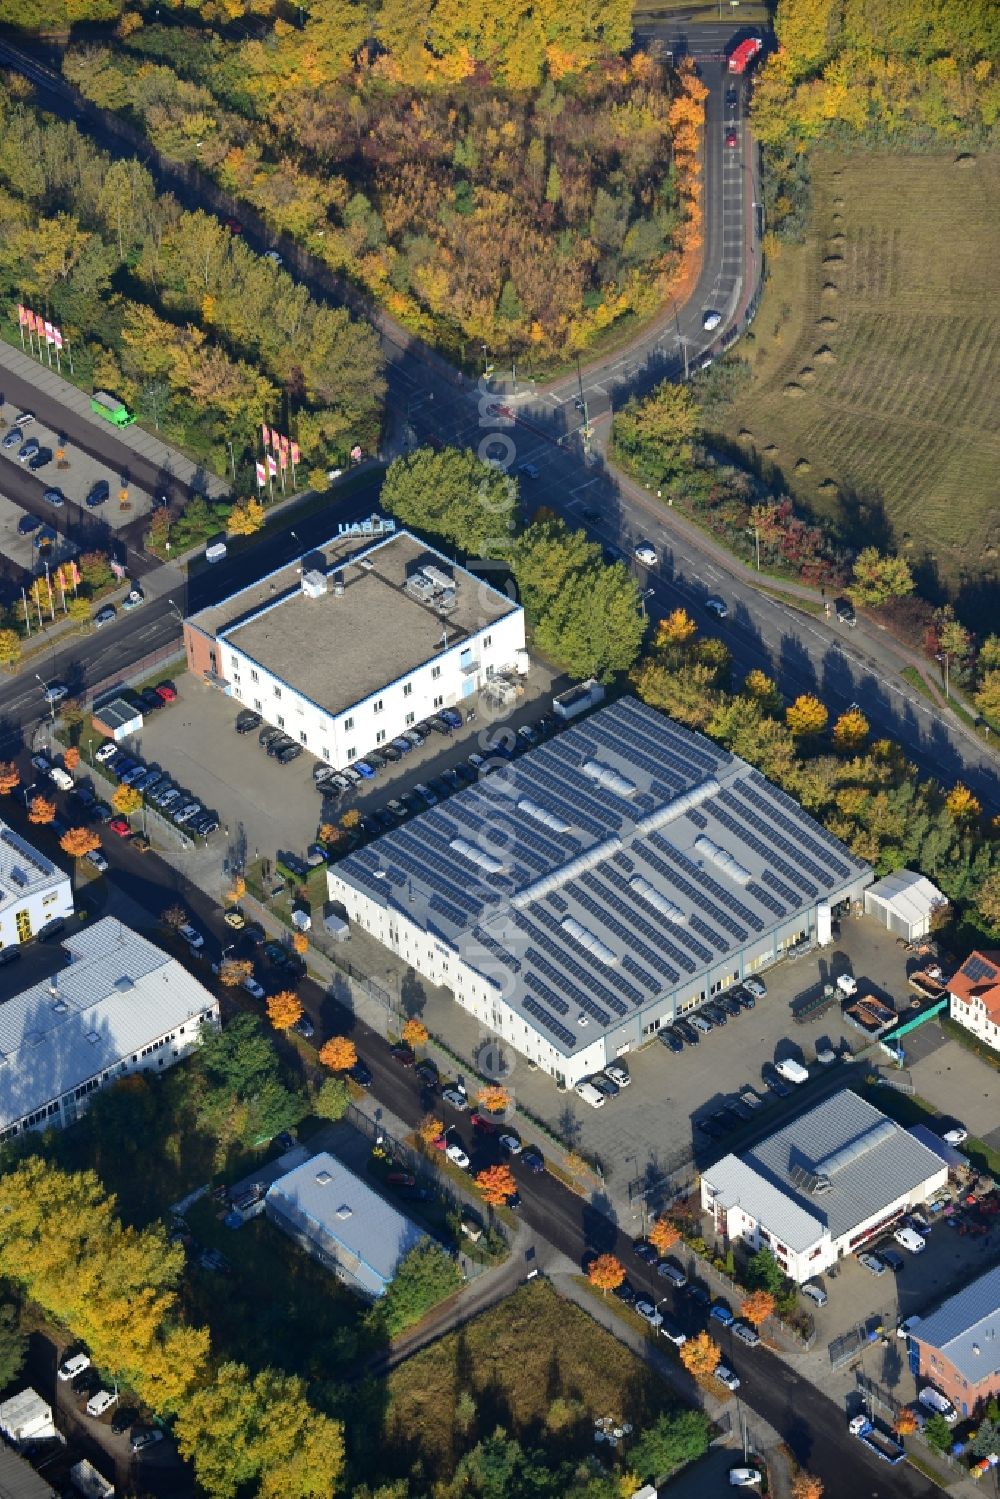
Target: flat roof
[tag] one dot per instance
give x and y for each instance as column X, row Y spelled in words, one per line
column 327, row 1201
column 117, row 994
column 338, row 650
column 966, row 1328
column 607, row 870
column 23, row 870
column 117, row 713
column 18, row 1479
column 834, row 1167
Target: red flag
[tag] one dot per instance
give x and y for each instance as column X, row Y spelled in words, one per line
column 29, row 318
column 284, row 444
column 283, row 459
column 57, row 336
column 295, row 454
column 22, row 314
column 261, row 476
column 267, row 434
column 272, row 467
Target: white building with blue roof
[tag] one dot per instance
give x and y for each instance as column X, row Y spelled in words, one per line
column 345, row 1225
column 33, row 890
column 824, row 1186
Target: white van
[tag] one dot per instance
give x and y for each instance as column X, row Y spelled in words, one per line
column 814, row 1292
column 61, row 778
column 217, row 552
column 592, row 1095
column 908, row 1238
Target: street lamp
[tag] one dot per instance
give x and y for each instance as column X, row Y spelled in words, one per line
column 45, row 689
column 176, row 610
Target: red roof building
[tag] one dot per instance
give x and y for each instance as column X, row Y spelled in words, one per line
column 975, row 996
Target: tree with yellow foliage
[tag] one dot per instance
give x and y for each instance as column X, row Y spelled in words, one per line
column 701, row 1356
column 905, row 1423
column 605, row 1272
column 763, row 690
column 663, row 1235
column 41, row 810
column 284, row 1009
column 415, row 1033
column 300, row 943
column 126, row 800
column 961, row 803
column 234, row 971
column 71, row 757
column 430, row 1129
column 79, row 841
column 339, row 1054
column 245, row 518
column 806, row 1486
column 496, row 1184
column 676, row 628
column 851, row 729
column 807, row 716
column 10, row 777
column 237, row 889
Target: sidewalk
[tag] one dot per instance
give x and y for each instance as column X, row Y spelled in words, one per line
column 139, row 441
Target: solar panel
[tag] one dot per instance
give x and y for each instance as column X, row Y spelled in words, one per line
column 557, row 903
column 699, row 821
column 498, row 951
column 534, row 983
column 637, row 920
column 646, row 979
column 599, row 910
column 767, row 900
column 446, row 909
column 744, row 809
column 588, row 982
column 740, row 830
column 816, row 831
column 561, row 1032
column 976, row 969
column 771, row 880
column 705, row 881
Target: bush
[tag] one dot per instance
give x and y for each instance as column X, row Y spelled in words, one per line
column 425, row 1276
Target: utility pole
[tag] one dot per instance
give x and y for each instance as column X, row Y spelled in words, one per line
column 586, row 429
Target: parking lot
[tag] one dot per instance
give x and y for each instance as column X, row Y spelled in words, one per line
column 954, row 1081
column 269, row 808
column 21, row 549
column 76, row 477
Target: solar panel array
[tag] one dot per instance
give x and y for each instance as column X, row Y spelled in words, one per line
column 646, row 956
column 976, row 969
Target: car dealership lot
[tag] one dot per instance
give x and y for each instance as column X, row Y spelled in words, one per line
column 20, row 548
column 76, row 479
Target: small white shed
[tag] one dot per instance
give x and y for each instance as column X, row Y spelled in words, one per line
column 26, row 1417
column 904, row 903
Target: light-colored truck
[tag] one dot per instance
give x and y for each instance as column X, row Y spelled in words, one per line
column 933, row 1400
column 792, row 1071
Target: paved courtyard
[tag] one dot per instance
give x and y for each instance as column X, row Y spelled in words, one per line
column 79, row 473
column 954, row 1081
column 21, row 549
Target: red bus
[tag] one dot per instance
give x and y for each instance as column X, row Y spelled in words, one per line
column 744, row 54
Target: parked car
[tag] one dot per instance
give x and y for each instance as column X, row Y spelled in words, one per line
column 756, row 987
column 97, row 859
column 54, row 497
column 40, row 459
column 403, row 1055
column 746, row 1333
column 145, row 1436
column 191, row 937
column 28, row 450
column 671, row 1038
column 167, row 691
column 457, row 1155
column 510, row 1144
column 648, row 1312
column 717, row 606
column 304, row 1027
column 871, row 1263
column 246, row 721
column 727, row 1378
column 27, row 524
column 721, row 1313
column 618, row 1073
column 98, row 494
column 457, row 1099
column 533, row 1159
column 361, row 1074
column 74, row 1365
column 120, row 827
column 255, row 990
column 100, row 1402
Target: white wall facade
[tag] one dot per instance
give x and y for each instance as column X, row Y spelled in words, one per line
column 340, row 738
column 22, row 915
column 977, row 1019
column 159, row 1053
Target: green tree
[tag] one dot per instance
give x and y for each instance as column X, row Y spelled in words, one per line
column 655, row 436
column 764, row 1273
column 675, row 1437
column 456, row 497
column 10, row 647
column 937, row 1433
column 13, row 1343
column 423, row 1278
column 239, row 1057
column 876, row 578
column 332, row 1098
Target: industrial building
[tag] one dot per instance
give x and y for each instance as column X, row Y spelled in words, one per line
column 823, row 1187
column 975, row 997
column 957, row 1347
column 342, row 1223
column 352, row 645
column 119, row 1006
column 600, row 885
column 905, row 903
column 33, row 890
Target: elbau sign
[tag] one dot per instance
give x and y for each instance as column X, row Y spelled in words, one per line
column 375, row 525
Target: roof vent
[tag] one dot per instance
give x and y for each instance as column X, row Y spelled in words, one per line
column 543, row 815
column 659, row 902
column 54, row 988
column 123, row 984
column 314, row 583
column 976, row 1349
column 608, row 777
column 60, row 1006
column 588, row 939
column 478, row 856
column 583, row 1018
column 345, row 1211
column 323, row 1178
column 93, row 1037
column 723, row 860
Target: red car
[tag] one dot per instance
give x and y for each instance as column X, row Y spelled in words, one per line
column 233, row 225
column 166, row 692
column 483, row 1125
column 120, row 826
column 731, row 138
column 401, row 1179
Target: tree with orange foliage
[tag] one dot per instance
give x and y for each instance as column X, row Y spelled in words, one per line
column 41, row 810
column 493, row 1099
column 805, row 1486
column 79, row 841
column 234, row 971
column 497, row 1184
column 415, row 1033
column 606, row 1273
column 339, row 1054
column 905, row 1423
column 430, row 1129
column 300, row 943
column 757, row 1307
column 237, row 889
column 284, row 1009
column 700, row 1356
column 663, row 1235
column 10, row 777
column 71, row 758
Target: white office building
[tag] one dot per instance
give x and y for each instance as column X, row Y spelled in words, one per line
column 599, row 886
column 121, row 1005
column 352, row 645
column 823, row 1187
column 33, row 890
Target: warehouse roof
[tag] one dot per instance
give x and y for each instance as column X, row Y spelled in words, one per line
column 341, row 624
column 839, row 1165
column 366, row 1234
column 23, row 870
column 966, row 1328
column 118, row 994
column 607, row 870
column 909, row 894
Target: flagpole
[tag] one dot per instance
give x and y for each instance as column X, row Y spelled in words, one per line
column 22, row 337
column 27, row 613
column 69, row 356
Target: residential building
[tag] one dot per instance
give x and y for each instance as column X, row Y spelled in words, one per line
column 823, row 1187
column 349, row 648
column 975, row 996
column 904, row 902
column 121, row 1005
column 342, row 1223
column 33, row 890
column 957, row 1347
column 600, row 885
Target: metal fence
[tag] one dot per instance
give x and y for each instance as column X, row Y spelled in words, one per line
column 136, row 672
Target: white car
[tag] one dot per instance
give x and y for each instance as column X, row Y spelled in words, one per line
column 191, row 937
column 717, row 606
column 457, row 1154
column 106, row 752
column 73, row 1366
column 511, row 1144
column 273, row 255
column 744, row 1478
column 726, row 1377
column 956, row 1136
column 618, row 1074
column 647, row 1311
column 756, row 987
column 55, row 692
column 98, row 860
column 646, row 554
column 101, row 1402
column 252, row 987
column 711, row 320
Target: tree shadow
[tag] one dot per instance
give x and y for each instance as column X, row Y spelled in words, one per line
column 412, row 995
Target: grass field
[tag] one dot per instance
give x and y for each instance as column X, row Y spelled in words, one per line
column 536, row 1364
column 875, row 366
